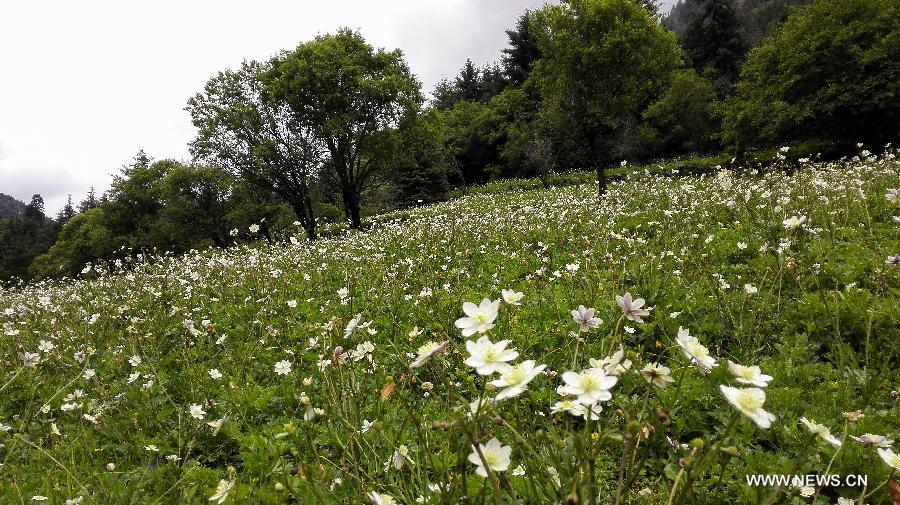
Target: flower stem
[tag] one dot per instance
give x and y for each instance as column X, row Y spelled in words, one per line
column 875, row 490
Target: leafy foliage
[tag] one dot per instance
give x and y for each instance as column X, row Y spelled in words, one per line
column 604, row 61
column 159, row 206
column 832, row 71
column 686, row 116
column 253, row 136
column 350, row 96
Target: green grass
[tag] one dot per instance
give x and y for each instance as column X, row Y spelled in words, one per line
column 823, row 324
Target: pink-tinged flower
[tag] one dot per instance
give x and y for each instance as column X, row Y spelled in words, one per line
column 657, row 375
column 428, row 350
column 893, row 195
column 874, row 440
column 31, row 359
column 585, row 319
column 352, row 325
column 633, row 309
column 479, row 318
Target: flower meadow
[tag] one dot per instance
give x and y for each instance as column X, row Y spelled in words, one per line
column 525, row 346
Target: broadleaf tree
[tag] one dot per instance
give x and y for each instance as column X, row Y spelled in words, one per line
column 349, row 95
column 604, row 62
column 255, row 137
column 832, row 71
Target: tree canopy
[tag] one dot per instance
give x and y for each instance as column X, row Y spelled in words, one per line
column 831, row 71
column 162, row 206
column 350, row 96
column 254, row 136
column 603, row 62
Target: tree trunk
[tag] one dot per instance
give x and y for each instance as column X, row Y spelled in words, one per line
column 217, row 239
column 311, row 216
column 601, row 181
column 355, row 220
column 349, row 193
column 351, row 205
column 599, row 165
column 309, row 225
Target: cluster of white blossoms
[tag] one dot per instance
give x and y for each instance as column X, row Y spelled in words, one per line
column 749, row 401
column 272, row 294
column 489, row 358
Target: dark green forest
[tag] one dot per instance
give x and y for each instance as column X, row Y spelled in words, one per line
column 317, row 138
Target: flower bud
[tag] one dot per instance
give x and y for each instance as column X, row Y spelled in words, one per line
column 663, row 417
column 730, row 450
column 633, row 427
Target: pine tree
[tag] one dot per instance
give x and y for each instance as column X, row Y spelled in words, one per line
column 492, row 83
column 34, row 211
column 470, row 85
column 522, row 52
column 66, row 213
column 714, row 44
column 467, row 83
column 89, row 202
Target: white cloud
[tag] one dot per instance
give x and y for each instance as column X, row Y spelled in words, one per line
column 87, row 84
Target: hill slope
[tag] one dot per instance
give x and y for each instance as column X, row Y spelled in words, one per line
column 261, row 373
column 9, row 206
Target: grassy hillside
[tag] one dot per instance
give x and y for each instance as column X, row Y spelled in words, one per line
column 281, row 373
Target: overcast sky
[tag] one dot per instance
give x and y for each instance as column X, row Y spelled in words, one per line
column 85, row 84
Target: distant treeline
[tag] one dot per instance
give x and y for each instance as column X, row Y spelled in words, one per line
column 336, row 129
